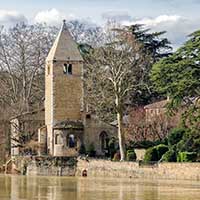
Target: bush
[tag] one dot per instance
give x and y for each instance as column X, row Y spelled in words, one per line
column 155, row 153
column 176, row 135
column 161, row 150
column 151, row 155
column 131, row 155
column 169, row 156
column 112, row 148
column 187, row 157
column 116, row 157
column 82, row 149
column 91, row 150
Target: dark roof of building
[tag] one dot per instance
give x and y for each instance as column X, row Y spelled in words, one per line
column 159, row 104
column 69, row 124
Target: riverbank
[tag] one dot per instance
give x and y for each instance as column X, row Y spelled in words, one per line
column 167, row 171
column 106, row 168
column 61, row 166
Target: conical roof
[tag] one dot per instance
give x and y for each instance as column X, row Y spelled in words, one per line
column 64, row 47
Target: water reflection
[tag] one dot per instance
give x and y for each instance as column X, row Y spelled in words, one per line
column 60, row 188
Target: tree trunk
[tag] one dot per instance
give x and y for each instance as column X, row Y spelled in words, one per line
column 121, row 136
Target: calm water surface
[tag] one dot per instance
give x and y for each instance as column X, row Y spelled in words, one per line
column 59, row 188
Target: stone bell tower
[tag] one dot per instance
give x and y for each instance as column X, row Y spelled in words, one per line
column 63, row 84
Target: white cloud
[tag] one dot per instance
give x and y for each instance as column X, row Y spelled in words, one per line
column 116, row 15
column 159, row 20
column 52, row 17
column 8, row 17
column 177, row 27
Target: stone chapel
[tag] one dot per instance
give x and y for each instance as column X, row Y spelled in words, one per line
column 67, row 124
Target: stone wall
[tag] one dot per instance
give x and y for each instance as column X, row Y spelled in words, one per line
column 173, row 171
column 34, row 170
column 44, row 166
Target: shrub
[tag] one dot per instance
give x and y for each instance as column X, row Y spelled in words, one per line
column 169, row 156
column 112, row 148
column 161, row 149
column 155, row 153
column 151, row 155
column 187, row 157
column 176, row 135
column 131, row 155
column 82, row 149
column 117, row 157
column 91, row 150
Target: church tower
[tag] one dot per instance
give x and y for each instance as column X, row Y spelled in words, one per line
column 63, row 84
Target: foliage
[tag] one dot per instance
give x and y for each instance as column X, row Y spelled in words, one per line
column 176, row 136
column 156, row 46
column 190, row 142
column 131, row 155
column 178, row 77
column 155, row 153
column 112, row 147
column 151, row 155
column 116, row 157
column 91, row 150
column 161, row 149
column 82, row 149
column 187, row 157
column 112, row 75
column 169, row 156
column 154, row 43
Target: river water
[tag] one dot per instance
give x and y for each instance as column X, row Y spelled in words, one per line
column 61, row 188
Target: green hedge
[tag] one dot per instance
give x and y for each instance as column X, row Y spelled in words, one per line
column 169, row 156
column 187, row 157
column 131, row 155
column 155, row 153
column 176, row 136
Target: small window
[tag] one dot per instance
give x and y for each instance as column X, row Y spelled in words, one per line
column 67, row 69
column 48, row 70
column 88, row 116
column 58, row 139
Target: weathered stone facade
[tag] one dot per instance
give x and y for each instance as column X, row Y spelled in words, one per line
column 68, row 125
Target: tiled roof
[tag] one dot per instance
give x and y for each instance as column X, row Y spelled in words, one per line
column 64, row 47
column 159, row 104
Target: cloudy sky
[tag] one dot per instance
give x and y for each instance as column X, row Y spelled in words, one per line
column 178, row 17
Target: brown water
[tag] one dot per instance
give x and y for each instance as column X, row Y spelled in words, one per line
column 60, row 188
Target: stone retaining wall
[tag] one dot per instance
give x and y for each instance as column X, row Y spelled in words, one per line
column 33, row 170
column 173, row 171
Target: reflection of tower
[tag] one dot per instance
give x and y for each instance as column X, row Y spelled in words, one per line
column 15, row 187
column 146, row 190
column 63, row 84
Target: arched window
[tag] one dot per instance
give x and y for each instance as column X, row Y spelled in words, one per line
column 58, row 139
column 103, row 137
column 67, row 69
column 71, row 141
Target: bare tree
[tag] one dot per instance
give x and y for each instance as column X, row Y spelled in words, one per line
column 23, row 50
column 112, row 74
